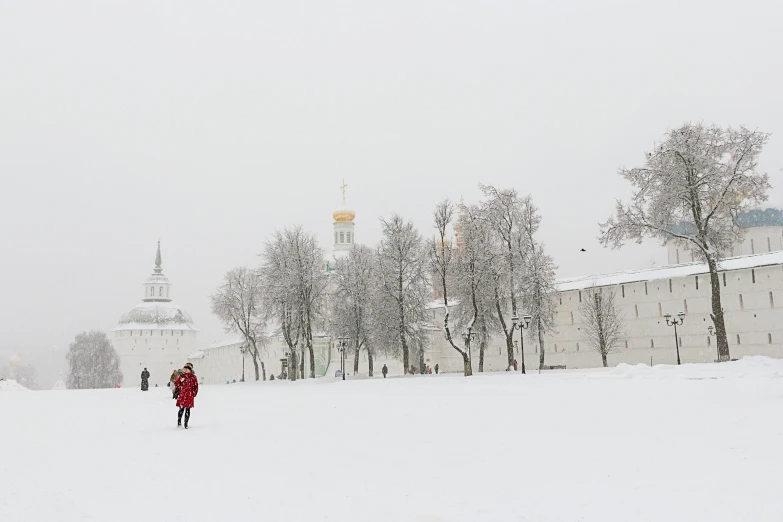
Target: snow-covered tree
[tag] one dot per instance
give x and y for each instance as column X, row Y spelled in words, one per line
column 93, row 361
column 281, row 302
column 502, row 209
column 602, row 320
column 237, row 303
column 443, row 262
column 351, row 315
column 537, row 283
column 295, row 283
column 473, row 278
column 402, row 271
column 690, row 189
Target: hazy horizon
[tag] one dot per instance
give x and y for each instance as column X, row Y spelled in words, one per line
column 211, row 126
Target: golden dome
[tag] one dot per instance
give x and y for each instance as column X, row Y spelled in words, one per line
column 343, row 215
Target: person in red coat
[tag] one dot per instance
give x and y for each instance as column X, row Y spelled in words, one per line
column 188, row 389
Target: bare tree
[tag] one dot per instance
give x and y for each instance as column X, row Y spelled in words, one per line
column 401, row 265
column 691, row 188
column 351, row 301
column 237, row 303
column 602, row 320
column 538, row 280
column 442, row 260
column 93, row 361
column 502, row 210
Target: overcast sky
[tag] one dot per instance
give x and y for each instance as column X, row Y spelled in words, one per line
column 211, row 124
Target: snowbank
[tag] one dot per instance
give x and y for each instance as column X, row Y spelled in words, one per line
column 11, row 385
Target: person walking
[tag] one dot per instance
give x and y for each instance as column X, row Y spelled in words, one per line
column 188, row 389
column 437, row 367
column 145, row 380
column 516, row 365
column 384, row 371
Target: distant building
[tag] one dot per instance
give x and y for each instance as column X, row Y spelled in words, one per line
column 751, row 293
column 156, row 334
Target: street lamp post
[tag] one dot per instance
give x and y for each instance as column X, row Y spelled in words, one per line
column 677, row 321
column 521, row 325
column 243, row 350
column 342, row 345
column 713, row 334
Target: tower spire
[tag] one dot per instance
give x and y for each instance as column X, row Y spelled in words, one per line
column 158, row 261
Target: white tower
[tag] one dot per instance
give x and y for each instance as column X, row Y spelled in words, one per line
column 156, row 334
column 344, row 237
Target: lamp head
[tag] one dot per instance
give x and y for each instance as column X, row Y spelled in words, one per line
column 681, row 315
column 667, row 316
column 515, row 318
column 527, row 319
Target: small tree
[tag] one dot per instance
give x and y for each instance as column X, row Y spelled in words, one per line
column 443, row 262
column 537, row 284
column 237, row 303
column 602, row 320
column 93, row 361
column 690, row 189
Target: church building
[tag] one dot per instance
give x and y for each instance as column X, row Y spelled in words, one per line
column 156, row 334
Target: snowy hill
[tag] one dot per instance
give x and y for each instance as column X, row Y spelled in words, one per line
column 689, row 443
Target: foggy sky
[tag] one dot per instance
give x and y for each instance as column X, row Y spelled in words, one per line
column 211, row 124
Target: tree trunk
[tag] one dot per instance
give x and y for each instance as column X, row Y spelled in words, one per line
column 293, row 366
column 466, row 363
column 356, row 359
column 369, row 360
column 255, row 364
column 263, row 370
column 422, row 366
column 301, row 364
column 312, row 361
column 482, row 346
column 540, row 346
column 717, row 312
column 603, row 358
column 510, row 348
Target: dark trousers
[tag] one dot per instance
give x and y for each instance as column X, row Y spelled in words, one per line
column 187, row 416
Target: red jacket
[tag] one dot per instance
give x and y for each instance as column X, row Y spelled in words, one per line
column 188, row 389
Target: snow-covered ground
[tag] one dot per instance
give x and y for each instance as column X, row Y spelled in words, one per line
column 698, row 442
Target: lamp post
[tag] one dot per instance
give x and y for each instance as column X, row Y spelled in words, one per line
column 468, row 338
column 342, row 345
column 243, row 350
column 677, row 321
column 713, row 334
column 521, row 325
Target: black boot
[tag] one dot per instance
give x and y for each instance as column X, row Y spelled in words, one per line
column 187, row 417
column 179, row 418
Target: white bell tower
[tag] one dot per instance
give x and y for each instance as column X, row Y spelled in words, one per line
column 344, row 237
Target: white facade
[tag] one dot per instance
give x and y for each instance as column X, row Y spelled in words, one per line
column 157, row 334
column 751, row 295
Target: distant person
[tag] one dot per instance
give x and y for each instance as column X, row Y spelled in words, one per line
column 429, row 370
column 188, row 389
column 436, row 369
column 516, row 366
column 145, row 380
column 384, row 371
column 413, row 370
